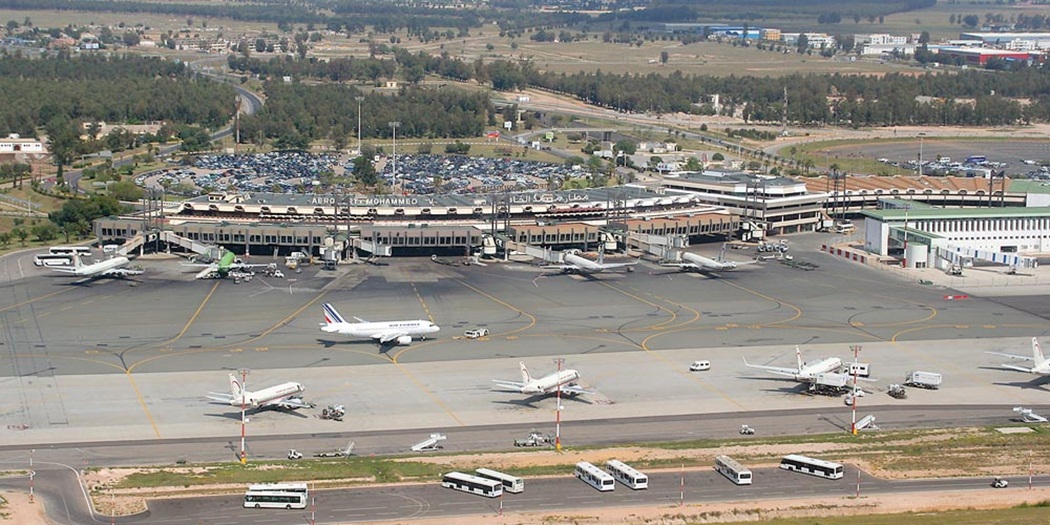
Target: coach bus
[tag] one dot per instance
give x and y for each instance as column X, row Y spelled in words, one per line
column 733, row 470
column 276, row 496
column 510, row 483
column 627, row 475
column 595, row 476
column 473, row 484
column 813, row 467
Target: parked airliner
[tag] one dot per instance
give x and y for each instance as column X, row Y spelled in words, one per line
column 803, row 372
column 574, row 263
column 385, row 332
column 693, row 262
column 1042, row 364
column 114, row 267
column 284, row 395
column 548, row 384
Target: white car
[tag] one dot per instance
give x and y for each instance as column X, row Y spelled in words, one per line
column 476, row 333
column 700, row 366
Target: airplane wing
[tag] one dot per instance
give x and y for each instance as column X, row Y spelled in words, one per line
column 63, row 269
column 610, row 266
column 1017, row 368
column 386, row 337
column 510, row 385
column 288, row 402
column 790, row 372
column 683, row 266
column 220, row 397
column 1013, row 356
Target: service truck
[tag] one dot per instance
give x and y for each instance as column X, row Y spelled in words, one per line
column 920, row 379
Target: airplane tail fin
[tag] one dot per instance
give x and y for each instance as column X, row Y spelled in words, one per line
column 77, row 263
column 798, row 357
column 601, row 253
column 525, row 377
column 331, row 316
column 235, row 386
column 722, row 254
column 1037, row 352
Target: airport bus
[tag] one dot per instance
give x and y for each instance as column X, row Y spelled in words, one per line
column 473, row 484
column 83, row 251
column 510, row 483
column 733, row 470
column 52, row 259
column 627, row 475
column 976, row 159
column 276, row 496
column 813, row 467
column 595, row 476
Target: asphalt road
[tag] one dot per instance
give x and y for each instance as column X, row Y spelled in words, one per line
column 407, row 502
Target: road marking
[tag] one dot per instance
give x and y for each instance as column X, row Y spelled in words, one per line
column 142, row 402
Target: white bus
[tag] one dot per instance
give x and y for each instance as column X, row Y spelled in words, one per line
column 276, row 496
column 52, row 259
column 733, row 470
column 510, row 483
column 813, row 467
column 627, row 475
column 472, row 484
column 83, row 251
column 595, row 476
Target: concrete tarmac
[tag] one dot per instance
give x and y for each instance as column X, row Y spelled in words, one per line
column 112, row 359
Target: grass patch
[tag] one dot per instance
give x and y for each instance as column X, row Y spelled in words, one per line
column 1019, row 514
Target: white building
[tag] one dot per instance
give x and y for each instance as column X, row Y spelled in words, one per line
column 16, row 144
column 880, row 39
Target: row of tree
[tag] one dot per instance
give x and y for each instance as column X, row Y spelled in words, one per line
column 296, row 114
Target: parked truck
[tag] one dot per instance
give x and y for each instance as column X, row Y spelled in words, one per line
column 920, row 379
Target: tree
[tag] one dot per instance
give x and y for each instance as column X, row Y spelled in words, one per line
column 365, row 171
column 5, row 238
column 21, row 234
column 63, row 141
column 45, row 232
column 664, row 56
column 693, row 164
column 970, row 20
column 125, row 190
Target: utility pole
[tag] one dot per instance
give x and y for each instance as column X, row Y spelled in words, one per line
column 853, row 425
column 393, row 125
column 244, row 420
column 557, row 417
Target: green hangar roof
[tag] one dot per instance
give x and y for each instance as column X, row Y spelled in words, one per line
column 957, row 213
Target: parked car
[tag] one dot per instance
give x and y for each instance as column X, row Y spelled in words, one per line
column 476, row 333
column 700, row 366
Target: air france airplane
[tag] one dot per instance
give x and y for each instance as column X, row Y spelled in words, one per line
column 548, row 384
column 384, row 332
column 692, row 262
column 284, row 395
column 574, row 263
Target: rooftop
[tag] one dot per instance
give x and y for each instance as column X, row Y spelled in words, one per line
column 957, row 213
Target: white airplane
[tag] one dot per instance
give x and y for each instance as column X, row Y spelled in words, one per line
column 548, row 384
column 693, row 262
column 1042, row 364
column 284, row 395
column 114, row 267
column 385, row 332
column 804, row 372
column 574, row 263
column 228, row 265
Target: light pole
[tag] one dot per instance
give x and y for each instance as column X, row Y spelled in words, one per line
column 244, row 421
column 906, row 208
column 359, row 101
column 557, row 417
column 393, row 126
column 919, row 170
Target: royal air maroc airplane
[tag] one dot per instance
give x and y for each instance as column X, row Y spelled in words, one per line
column 565, row 380
column 114, row 268
column 1041, row 364
column 384, row 332
column 284, row 395
column 577, row 264
column 804, row 372
column 693, row 262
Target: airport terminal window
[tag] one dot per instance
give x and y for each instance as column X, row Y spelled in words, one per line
column 286, row 239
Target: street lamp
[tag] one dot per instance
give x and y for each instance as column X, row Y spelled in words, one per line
column 244, row 420
column 921, row 135
column 359, row 101
column 393, row 125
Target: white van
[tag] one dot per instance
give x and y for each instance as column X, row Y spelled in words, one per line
column 700, row 366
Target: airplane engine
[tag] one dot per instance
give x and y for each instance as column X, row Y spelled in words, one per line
column 404, row 340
